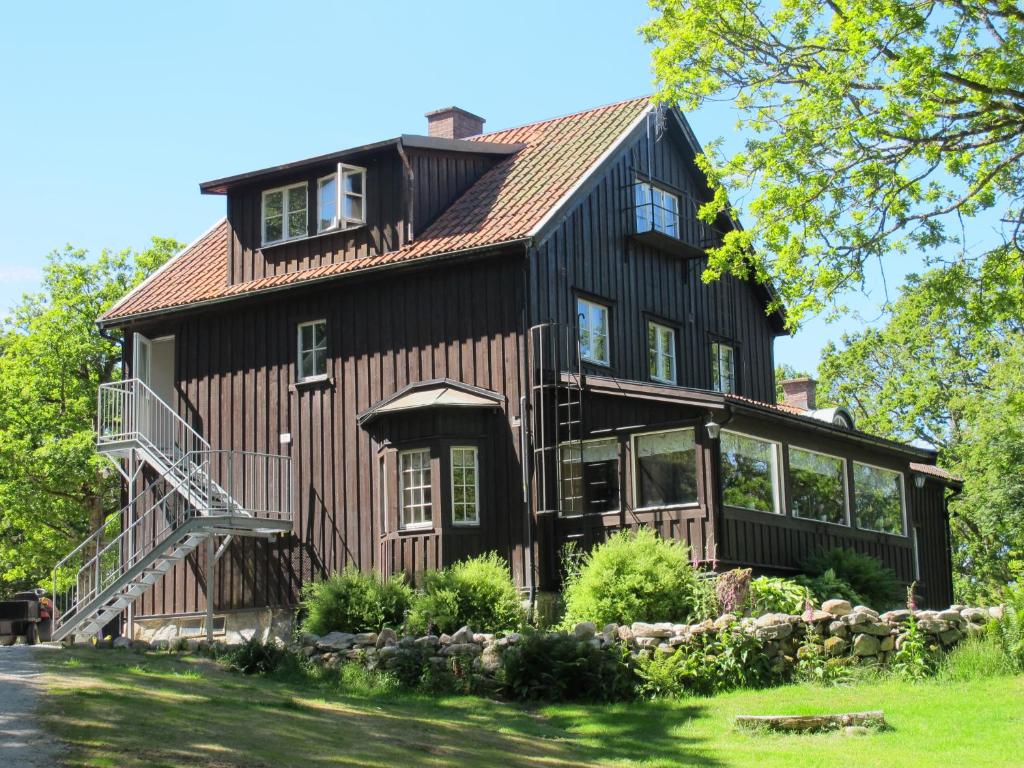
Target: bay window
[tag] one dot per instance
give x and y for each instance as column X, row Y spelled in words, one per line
column 665, row 468
column 656, row 209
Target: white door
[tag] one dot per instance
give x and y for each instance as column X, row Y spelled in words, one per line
column 142, row 355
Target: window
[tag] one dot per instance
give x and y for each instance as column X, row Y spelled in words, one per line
column 723, row 368
column 656, row 209
column 750, row 477
column 589, row 477
column 414, row 488
column 878, row 498
column 465, row 486
column 818, row 486
column 593, row 319
column 665, row 467
column 312, row 349
column 347, row 197
column 661, row 353
column 284, row 213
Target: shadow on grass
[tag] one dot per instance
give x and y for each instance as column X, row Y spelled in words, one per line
column 130, row 710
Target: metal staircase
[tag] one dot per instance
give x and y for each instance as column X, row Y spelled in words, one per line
column 195, row 494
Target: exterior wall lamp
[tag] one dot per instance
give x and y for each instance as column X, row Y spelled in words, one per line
column 714, row 429
column 918, row 480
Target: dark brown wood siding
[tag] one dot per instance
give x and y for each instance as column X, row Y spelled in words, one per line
column 439, row 178
column 236, row 385
column 591, row 252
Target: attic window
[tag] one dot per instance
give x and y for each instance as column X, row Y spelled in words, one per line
column 656, row 209
column 342, row 205
column 285, row 212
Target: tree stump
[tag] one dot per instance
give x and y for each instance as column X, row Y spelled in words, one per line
column 810, row 723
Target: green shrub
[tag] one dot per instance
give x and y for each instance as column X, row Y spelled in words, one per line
column 353, row 601
column 828, row 586
column 771, row 594
column 637, row 576
column 478, row 593
column 257, row 658
column 976, row 658
column 709, row 664
column 914, row 659
column 1009, row 630
column 559, row 667
column 867, row 576
column 814, row 665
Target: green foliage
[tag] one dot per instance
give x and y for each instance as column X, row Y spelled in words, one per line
column 478, row 593
column 947, row 368
column 873, row 128
column 866, row 575
column 559, row 667
column 977, row 658
column 772, row 594
column 257, row 658
column 54, row 488
column 1009, row 630
column 828, row 586
column 913, row 659
column 814, row 665
column 732, row 590
column 711, row 663
column 637, row 576
column 354, row 601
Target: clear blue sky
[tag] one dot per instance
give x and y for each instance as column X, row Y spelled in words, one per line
column 114, row 111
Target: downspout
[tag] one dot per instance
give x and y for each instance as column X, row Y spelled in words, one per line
column 953, row 492
column 525, row 441
column 715, row 469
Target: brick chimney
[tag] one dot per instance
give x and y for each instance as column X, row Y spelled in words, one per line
column 453, row 123
column 800, row 393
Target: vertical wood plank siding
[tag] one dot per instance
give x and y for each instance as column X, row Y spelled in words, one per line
column 439, row 178
column 590, row 251
column 235, row 384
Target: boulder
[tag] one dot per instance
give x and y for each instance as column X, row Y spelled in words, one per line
column 308, row 638
column 646, row 642
column 122, row 642
column 864, row 609
column 774, row 632
column 461, row 637
column 643, row 629
column 865, row 645
column 837, row 607
column 461, row 649
column 336, row 641
column 625, row 634
column 835, row 646
column 975, row 615
column 932, row 626
column 585, row 630
column 878, row 630
column 385, row 652
column 490, row 661
column 609, row 633
column 817, row 615
column 387, row 637
column 838, row 629
column 996, row 612
column 366, row 638
column 724, row 620
column 950, row 636
column 771, row 619
column 887, row 644
column 953, row 617
column 896, row 617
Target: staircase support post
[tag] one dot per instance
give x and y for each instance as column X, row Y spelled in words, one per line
column 211, row 564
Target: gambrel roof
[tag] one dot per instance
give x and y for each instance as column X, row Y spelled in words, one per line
column 508, row 204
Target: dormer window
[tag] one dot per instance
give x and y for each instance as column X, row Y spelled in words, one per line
column 285, row 213
column 656, row 208
column 342, row 205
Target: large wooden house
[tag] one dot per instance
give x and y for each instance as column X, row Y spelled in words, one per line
column 405, row 353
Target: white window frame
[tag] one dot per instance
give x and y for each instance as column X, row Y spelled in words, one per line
column 475, row 521
column 716, row 361
column 846, row 485
column 778, row 491
column 657, row 354
column 585, row 320
column 339, row 222
column 302, row 376
column 651, row 201
column 635, row 457
column 583, row 443
column 426, row 507
column 903, row 500
column 285, row 234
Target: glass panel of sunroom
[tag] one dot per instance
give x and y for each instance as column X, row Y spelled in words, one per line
column 878, row 498
column 818, row 486
column 749, row 472
column 666, row 468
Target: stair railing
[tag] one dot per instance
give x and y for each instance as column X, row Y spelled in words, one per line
column 130, row 411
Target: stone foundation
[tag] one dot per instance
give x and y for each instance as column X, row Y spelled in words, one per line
column 230, row 628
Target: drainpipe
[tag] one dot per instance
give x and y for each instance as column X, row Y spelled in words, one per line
column 715, row 469
column 525, row 441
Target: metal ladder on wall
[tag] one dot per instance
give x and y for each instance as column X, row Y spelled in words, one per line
column 198, row 494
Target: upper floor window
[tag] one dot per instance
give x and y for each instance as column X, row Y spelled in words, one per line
column 657, row 209
column 723, row 368
column 415, row 489
column 341, row 205
column 878, row 498
column 465, row 486
column 661, row 352
column 593, row 319
column 588, row 477
column 818, row 486
column 312, row 349
column 750, row 472
column 285, row 213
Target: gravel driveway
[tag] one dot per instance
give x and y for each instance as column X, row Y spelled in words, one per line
column 22, row 741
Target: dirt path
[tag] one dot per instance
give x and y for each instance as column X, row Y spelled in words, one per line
column 22, row 741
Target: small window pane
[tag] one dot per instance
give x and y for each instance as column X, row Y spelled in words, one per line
column 328, row 206
column 297, row 198
column 878, row 498
column 312, row 349
column 273, row 203
column 414, row 487
column 666, row 468
column 818, row 484
column 643, row 206
column 723, row 368
column 297, row 224
column 354, row 183
column 661, row 344
column 273, row 229
column 353, row 208
column 589, row 482
column 593, row 320
column 749, row 473
column 464, row 486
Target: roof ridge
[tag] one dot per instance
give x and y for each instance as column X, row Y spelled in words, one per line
column 560, row 117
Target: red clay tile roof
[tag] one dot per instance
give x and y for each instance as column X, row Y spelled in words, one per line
column 505, row 205
column 937, row 472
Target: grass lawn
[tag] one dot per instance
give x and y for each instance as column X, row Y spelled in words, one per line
column 117, row 708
